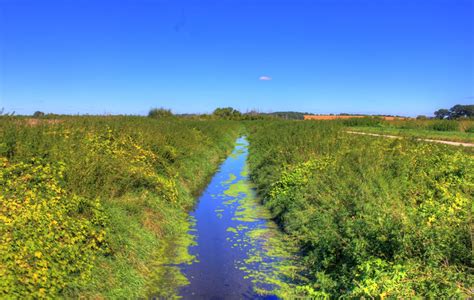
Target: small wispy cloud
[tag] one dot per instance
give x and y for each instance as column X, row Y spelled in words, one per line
column 265, row 78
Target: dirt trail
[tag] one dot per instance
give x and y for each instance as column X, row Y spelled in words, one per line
column 419, row 139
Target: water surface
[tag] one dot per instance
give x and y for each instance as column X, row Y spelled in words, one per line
column 240, row 254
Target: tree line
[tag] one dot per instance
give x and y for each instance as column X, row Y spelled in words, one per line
column 456, row 112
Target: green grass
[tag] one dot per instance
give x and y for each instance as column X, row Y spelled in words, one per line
column 110, row 197
column 96, row 207
column 456, row 136
column 373, row 217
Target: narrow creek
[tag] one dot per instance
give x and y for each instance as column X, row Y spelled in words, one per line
column 239, row 252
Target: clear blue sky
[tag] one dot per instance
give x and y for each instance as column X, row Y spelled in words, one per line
column 403, row 57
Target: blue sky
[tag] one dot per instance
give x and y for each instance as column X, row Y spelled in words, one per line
column 404, row 57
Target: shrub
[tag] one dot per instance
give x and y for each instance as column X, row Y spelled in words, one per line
column 158, row 113
column 38, row 114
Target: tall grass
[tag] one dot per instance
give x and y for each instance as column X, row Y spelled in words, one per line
column 88, row 202
column 374, row 217
column 433, row 124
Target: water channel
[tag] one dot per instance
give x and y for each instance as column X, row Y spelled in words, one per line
column 239, row 252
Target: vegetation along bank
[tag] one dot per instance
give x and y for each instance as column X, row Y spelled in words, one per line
column 93, row 206
column 373, row 217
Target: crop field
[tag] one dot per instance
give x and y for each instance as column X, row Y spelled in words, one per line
column 98, row 207
column 448, row 130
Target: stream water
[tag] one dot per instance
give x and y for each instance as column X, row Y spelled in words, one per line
column 240, row 253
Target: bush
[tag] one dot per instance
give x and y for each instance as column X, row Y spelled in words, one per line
column 158, row 113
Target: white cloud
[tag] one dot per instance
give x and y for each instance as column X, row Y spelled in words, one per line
column 265, row 78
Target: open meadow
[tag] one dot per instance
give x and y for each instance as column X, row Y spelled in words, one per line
column 98, row 207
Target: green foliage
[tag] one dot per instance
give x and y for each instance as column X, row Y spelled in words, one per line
column 452, row 130
column 441, row 113
column 455, row 112
column 366, row 121
column 289, row 115
column 158, row 113
column 461, row 111
column 373, row 217
column 49, row 237
column 444, row 125
column 91, row 206
column 38, row 114
column 227, row 113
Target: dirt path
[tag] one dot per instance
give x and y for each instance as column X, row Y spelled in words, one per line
column 419, row 139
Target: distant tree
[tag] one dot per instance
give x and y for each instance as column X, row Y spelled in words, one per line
column 159, row 113
column 38, row 114
column 442, row 113
column 289, row 115
column 455, row 112
column 227, row 113
column 421, row 117
column 460, row 111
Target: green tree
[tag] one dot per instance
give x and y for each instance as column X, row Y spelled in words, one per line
column 227, row 113
column 38, row 114
column 158, row 113
column 442, row 113
column 459, row 111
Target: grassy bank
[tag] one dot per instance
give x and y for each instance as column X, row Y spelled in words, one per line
column 97, row 206
column 373, row 217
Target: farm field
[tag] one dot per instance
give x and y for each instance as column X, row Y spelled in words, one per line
column 117, row 207
column 448, row 130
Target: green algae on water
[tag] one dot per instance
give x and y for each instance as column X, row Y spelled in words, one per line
column 245, row 171
column 232, row 177
column 167, row 276
column 272, row 262
column 232, row 229
column 238, row 187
